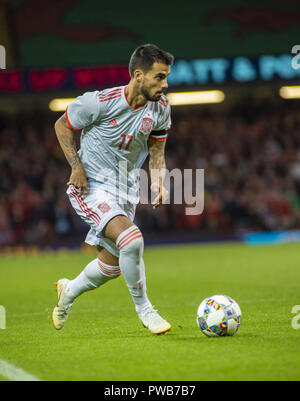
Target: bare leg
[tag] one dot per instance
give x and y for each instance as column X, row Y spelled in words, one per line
column 106, row 257
column 116, row 226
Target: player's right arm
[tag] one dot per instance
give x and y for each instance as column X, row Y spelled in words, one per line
column 66, row 138
column 83, row 112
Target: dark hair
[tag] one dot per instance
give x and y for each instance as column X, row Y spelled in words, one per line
column 145, row 56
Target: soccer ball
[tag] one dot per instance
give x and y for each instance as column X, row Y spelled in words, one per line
column 218, row 316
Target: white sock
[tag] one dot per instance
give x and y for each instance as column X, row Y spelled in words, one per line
column 143, row 303
column 131, row 245
column 95, row 274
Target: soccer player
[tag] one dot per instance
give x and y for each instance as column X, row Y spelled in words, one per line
column 120, row 126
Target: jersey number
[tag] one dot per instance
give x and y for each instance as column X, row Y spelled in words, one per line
column 126, row 141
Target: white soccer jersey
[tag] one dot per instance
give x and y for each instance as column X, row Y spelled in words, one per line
column 114, row 136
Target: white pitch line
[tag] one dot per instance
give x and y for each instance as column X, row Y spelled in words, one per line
column 13, row 373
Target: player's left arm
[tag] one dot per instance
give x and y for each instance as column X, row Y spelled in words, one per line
column 157, row 168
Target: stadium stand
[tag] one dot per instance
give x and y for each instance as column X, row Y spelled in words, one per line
column 251, row 158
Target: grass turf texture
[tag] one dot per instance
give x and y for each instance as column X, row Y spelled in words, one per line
column 104, row 340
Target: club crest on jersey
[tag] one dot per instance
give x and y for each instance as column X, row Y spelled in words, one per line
column 104, row 207
column 146, row 127
column 113, row 123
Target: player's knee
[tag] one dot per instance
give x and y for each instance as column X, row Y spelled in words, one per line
column 106, row 257
column 132, row 241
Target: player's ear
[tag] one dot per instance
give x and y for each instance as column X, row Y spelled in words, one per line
column 138, row 75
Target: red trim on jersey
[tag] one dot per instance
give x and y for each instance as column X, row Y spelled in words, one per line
column 110, row 93
column 159, row 139
column 109, row 98
column 140, row 107
column 113, row 92
column 163, row 102
column 68, row 121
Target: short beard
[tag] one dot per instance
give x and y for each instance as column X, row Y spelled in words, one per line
column 147, row 96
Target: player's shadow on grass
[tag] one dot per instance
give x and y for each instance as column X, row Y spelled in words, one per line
column 179, row 334
column 224, row 338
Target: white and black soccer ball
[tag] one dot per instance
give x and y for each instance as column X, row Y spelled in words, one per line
column 219, row 315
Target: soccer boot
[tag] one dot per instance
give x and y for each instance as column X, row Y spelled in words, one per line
column 61, row 310
column 155, row 323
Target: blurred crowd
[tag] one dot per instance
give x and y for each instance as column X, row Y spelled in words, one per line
column 250, row 156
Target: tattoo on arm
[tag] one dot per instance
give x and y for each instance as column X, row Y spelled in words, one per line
column 157, row 155
column 157, row 163
column 63, row 120
column 69, row 148
column 66, row 140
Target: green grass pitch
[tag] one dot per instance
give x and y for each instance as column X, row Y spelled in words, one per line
column 103, row 339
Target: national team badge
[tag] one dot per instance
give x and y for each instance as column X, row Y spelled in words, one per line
column 113, row 123
column 104, row 207
column 146, row 125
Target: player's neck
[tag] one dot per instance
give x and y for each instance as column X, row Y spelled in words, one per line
column 134, row 98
